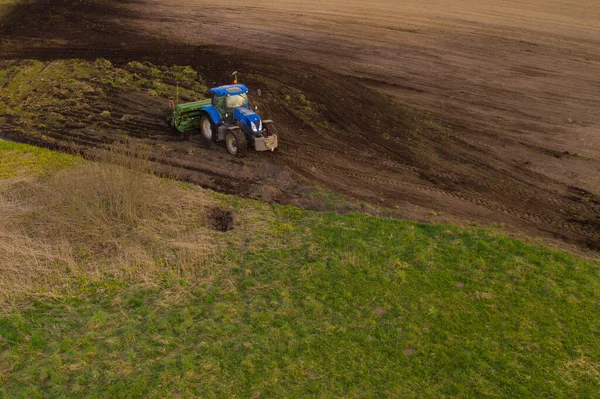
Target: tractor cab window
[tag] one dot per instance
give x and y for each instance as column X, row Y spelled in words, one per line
column 236, row 101
column 218, row 102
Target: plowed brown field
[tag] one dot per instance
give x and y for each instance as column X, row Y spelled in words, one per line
column 441, row 110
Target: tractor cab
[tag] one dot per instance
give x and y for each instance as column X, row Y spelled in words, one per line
column 226, row 99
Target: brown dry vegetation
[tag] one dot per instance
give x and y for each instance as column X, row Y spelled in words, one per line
column 100, row 220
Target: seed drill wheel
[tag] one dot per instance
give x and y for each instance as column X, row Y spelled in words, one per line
column 236, row 142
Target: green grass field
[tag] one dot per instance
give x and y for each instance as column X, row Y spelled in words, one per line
column 21, row 160
column 298, row 304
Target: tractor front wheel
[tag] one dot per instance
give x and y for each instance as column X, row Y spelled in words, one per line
column 236, row 142
column 206, row 126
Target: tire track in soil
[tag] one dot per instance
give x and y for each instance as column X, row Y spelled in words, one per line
column 477, row 200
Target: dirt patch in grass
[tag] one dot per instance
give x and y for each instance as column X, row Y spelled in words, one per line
column 221, row 219
column 380, row 311
column 409, row 351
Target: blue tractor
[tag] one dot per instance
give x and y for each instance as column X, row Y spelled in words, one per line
column 226, row 117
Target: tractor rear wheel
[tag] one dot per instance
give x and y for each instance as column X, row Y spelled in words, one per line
column 236, row 143
column 207, row 128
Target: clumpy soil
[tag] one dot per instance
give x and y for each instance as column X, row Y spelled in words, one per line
column 221, row 219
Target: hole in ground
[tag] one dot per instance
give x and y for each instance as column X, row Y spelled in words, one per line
column 221, row 219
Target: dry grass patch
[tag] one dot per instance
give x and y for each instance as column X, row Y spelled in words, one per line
column 101, row 220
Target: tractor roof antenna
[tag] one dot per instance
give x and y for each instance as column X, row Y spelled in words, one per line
column 235, row 75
